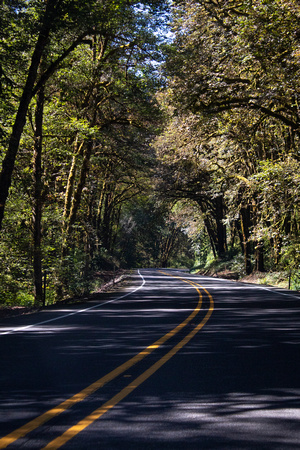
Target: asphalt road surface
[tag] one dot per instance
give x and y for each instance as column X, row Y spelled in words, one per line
column 173, row 361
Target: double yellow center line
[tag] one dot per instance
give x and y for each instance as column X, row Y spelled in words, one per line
column 74, row 430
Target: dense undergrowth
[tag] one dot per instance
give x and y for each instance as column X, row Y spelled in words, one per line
column 22, row 297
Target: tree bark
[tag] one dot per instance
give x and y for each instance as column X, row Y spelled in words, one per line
column 71, row 218
column 259, row 256
column 37, row 204
column 213, row 220
column 210, row 233
column 245, row 226
column 71, row 180
column 221, row 235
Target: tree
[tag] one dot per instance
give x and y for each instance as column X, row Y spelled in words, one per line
column 188, row 174
column 154, row 234
column 233, row 85
column 10, row 156
column 89, row 107
column 78, row 20
column 238, row 56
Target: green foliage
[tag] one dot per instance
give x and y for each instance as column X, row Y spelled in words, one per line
column 154, row 236
column 277, row 185
column 99, row 75
column 72, row 274
column 226, row 166
column 15, row 279
column 232, row 129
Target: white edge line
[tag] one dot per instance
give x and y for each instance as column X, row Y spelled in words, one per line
column 273, row 289
column 77, row 312
column 276, row 291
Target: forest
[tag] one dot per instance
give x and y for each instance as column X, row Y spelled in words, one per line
column 147, row 133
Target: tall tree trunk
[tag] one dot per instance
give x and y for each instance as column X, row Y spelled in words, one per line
column 71, row 180
column 213, row 213
column 209, row 229
column 107, row 221
column 20, row 120
column 70, row 220
column 221, row 235
column 167, row 247
column 245, row 227
column 259, row 256
column 37, row 205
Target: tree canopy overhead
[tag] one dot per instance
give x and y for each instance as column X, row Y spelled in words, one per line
column 238, row 55
column 55, row 29
column 233, row 73
column 146, row 133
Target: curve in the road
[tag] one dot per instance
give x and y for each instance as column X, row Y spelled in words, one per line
column 99, row 412
column 53, row 412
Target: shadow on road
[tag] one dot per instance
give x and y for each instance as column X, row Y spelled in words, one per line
column 236, row 385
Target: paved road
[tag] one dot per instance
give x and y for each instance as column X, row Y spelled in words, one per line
column 175, row 361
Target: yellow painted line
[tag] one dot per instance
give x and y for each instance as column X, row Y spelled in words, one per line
column 48, row 415
column 80, row 426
